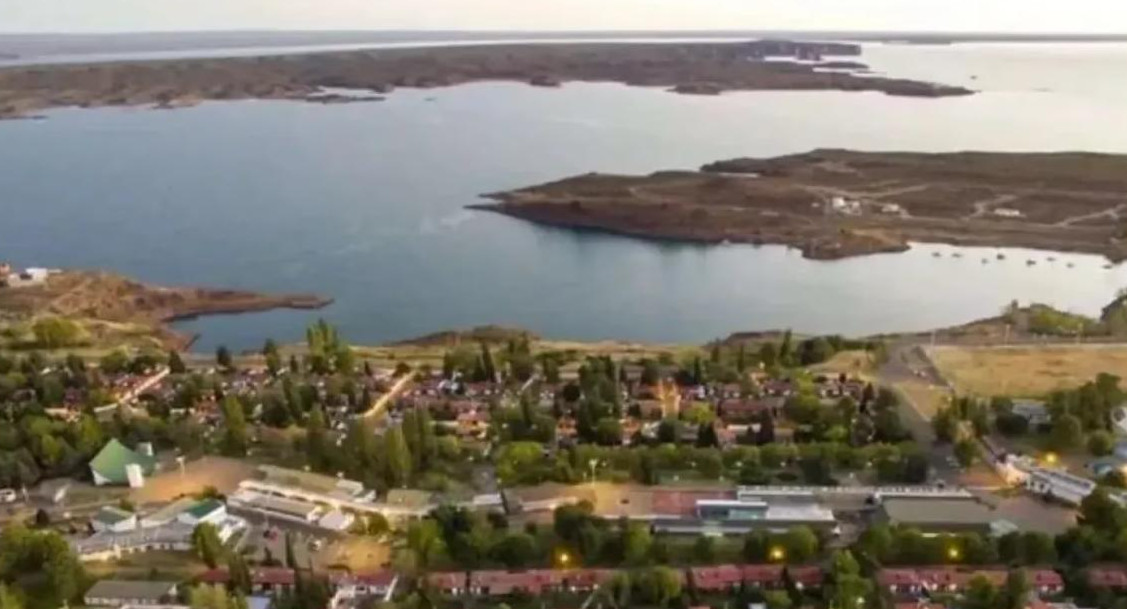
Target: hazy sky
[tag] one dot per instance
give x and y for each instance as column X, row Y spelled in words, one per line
column 959, row 15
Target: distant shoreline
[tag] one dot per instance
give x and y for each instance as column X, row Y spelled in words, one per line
column 703, row 68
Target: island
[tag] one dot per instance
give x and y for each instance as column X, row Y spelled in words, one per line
column 100, row 308
column 703, row 67
column 833, row 204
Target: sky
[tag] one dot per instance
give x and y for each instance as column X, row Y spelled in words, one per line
column 1058, row 16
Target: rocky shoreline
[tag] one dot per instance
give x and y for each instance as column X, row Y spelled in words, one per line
column 834, row 204
column 108, row 298
column 694, row 68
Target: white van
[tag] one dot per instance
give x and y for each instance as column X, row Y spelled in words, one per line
column 8, row 495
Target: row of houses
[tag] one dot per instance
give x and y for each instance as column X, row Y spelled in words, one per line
column 909, row 581
column 535, row 582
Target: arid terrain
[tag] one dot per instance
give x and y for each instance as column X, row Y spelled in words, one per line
column 834, row 204
column 109, row 302
column 1026, row 370
column 699, row 68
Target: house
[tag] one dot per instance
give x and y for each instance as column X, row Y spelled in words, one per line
column 114, row 520
column 352, row 587
column 1045, row 582
column 806, row 577
column 1107, row 577
column 268, row 580
column 449, row 583
column 721, row 578
column 336, row 520
column 503, row 583
column 747, row 411
column 117, row 464
column 762, row 576
column 900, row 581
column 119, row 593
column 1035, row 412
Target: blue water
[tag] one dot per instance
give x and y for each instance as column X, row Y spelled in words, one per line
column 364, row 203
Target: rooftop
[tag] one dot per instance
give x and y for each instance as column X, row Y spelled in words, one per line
column 112, row 515
column 203, row 508
column 936, row 511
column 110, row 462
column 131, row 590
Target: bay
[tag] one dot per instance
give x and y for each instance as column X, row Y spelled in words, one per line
column 365, row 202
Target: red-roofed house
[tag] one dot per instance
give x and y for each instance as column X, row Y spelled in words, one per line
column 585, row 580
column 452, row 583
column 899, row 581
column 806, row 577
column 500, row 583
column 1045, row 581
column 263, row 579
column 716, row 579
column 352, row 586
column 1108, row 577
column 762, row 576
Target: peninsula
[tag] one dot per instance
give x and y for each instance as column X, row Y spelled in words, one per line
column 835, row 204
column 696, row 68
column 106, row 307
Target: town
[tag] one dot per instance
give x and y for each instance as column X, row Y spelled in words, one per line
column 486, row 470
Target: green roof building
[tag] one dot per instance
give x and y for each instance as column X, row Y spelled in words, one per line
column 116, row 463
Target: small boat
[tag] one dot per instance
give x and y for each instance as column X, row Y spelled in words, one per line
column 1030, row 262
column 1070, row 265
column 985, row 261
column 936, row 254
column 1051, row 259
column 1107, row 266
column 956, row 255
column 1001, row 256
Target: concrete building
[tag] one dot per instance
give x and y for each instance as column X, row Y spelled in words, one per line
column 937, row 515
column 118, row 593
column 1035, row 412
column 353, row 589
column 211, row 511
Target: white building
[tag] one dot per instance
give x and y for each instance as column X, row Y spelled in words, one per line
column 1033, row 411
column 350, row 588
column 113, row 520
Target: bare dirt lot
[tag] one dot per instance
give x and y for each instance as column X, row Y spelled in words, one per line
column 222, row 473
column 1027, row 371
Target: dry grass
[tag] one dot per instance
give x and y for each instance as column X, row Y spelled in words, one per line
column 1026, row 371
column 924, row 397
column 853, row 363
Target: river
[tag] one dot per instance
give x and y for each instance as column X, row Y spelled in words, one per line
column 364, row 202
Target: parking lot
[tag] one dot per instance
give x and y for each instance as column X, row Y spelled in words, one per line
column 312, row 545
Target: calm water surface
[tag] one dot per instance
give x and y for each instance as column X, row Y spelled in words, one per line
column 364, row 202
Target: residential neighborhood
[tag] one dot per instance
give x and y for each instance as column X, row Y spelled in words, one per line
column 743, row 475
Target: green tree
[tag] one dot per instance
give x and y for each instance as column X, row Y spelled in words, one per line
column 704, row 549
column 215, row 597
column 966, row 452
column 9, row 599
column 981, row 594
column 516, row 550
column 1067, row 432
column 223, row 358
column 207, row 545
column 273, row 357
column 945, row 424
column 850, row 589
column 1015, row 592
column 175, row 363
column 778, row 599
column 659, row 585
column 317, row 444
column 801, row 544
column 235, row 435
column 55, row 332
column 1100, row 443
column 398, row 460
column 636, row 543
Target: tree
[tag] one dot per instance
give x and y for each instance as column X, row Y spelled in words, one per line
column 223, row 358
column 850, row 589
column 801, row 544
column 215, row 597
column 175, row 364
column 317, row 443
column 273, row 357
column 206, row 544
column 778, row 599
column 1100, row 512
column 981, row 594
column 1067, row 432
column 516, row 550
column 966, row 452
column 55, row 332
column 608, row 432
column 377, row 525
column 235, row 435
column 659, row 585
column 488, row 368
column 239, row 572
column 636, row 543
column 9, row 599
column 1100, row 443
column 704, row 549
column 945, row 424
column 1015, row 592
column 398, row 460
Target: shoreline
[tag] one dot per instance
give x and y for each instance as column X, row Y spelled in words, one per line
column 700, row 68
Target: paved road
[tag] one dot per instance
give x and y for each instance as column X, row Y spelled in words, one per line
column 904, row 362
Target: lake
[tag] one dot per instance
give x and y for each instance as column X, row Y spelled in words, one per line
column 364, row 202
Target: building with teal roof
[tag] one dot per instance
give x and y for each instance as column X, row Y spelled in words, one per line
column 117, row 464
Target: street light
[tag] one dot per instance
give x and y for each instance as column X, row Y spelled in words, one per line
column 778, row 554
column 1051, row 459
column 563, row 558
column 953, row 553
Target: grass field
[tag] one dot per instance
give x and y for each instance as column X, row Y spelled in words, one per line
column 1027, row 371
